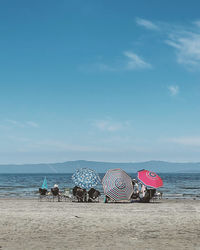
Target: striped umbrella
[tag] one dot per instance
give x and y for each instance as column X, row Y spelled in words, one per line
column 117, row 185
column 150, row 179
column 86, row 178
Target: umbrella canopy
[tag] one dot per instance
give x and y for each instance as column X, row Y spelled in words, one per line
column 86, row 178
column 150, row 179
column 44, row 185
column 117, row 185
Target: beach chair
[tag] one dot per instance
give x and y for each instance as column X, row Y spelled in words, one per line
column 106, row 199
column 93, row 195
column 42, row 194
column 135, row 195
column 157, row 196
column 55, row 193
column 149, row 194
column 67, row 194
column 80, row 194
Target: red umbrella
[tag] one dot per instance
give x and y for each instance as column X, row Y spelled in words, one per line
column 150, row 179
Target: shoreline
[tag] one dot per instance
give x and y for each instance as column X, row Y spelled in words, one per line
column 101, row 199
column 30, row 224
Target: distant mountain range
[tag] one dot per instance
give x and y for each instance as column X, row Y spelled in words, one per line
column 102, row 167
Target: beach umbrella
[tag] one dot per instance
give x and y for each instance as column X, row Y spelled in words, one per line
column 86, row 178
column 117, row 185
column 150, row 179
column 44, row 185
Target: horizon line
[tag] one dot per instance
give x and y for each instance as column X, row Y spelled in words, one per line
column 122, row 162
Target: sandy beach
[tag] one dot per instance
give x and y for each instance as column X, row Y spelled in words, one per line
column 29, row 224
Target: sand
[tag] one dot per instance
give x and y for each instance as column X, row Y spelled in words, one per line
column 29, row 224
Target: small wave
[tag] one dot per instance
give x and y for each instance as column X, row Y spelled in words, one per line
column 13, row 186
column 182, row 187
column 7, row 188
column 190, row 195
column 172, row 195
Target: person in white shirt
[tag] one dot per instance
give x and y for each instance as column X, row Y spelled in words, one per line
column 143, row 190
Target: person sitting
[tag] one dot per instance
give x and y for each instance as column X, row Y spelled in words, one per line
column 135, row 193
column 143, row 190
column 157, row 196
column 148, row 195
column 93, row 194
column 43, row 193
column 55, row 192
column 106, row 199
column 80, row 194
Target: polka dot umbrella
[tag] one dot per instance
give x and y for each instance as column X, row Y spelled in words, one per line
column 86, row 178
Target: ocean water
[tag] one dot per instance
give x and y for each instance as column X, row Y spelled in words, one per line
column 176, row 185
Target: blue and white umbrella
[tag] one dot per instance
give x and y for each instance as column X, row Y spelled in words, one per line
column 86, row 178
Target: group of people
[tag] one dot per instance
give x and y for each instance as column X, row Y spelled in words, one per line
column 141, row 192
column 54, row 191
column 82, row 195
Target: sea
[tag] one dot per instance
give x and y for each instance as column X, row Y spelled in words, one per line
column 176, row 185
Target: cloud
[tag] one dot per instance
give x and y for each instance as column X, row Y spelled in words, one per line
column 110, row 126
column 104, row 67
column 146, row 24
column 18, row 139
column 187, row 47
column 15, row 123
column 130, row 61
column 32, row 124
column 22, row 124
column 187, row 141
column 174, row 90
column 135, row 62
column 184, row 39
column 58, row 146
column 197, row 23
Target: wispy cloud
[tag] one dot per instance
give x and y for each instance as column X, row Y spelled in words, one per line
column 197, row 23
column 32, row 124
column 18, row 139
column 15, row 123
column 146, row 24
column 187, row 47
column 129, row 61
column 103, row 67
column 174, row 90
column 187, row 141
column 135, row 61
column 110, row 125
column 22, row 124
column 58, row 146
column 186, row 42
column 184, row 39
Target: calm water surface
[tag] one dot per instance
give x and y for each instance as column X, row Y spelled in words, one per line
column 26, row 185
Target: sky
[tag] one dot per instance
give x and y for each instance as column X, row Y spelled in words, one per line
column 99, row 80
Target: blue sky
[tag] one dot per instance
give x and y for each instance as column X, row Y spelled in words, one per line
column 99, row 80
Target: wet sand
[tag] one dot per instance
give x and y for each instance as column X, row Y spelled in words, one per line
column 168, row 224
